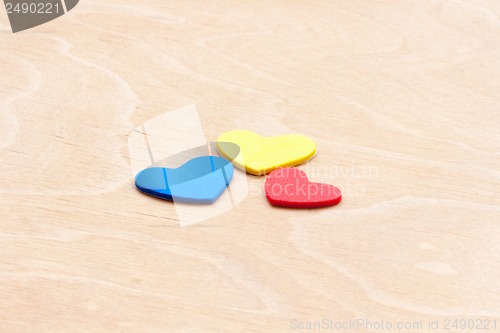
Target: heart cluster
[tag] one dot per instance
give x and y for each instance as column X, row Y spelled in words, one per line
column 202, row 180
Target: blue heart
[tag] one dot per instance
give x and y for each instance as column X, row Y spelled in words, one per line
column 201, row 180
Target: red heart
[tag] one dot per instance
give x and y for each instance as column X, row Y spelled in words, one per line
column 289, row 187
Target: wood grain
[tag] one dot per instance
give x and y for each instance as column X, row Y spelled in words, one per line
column 400, row 96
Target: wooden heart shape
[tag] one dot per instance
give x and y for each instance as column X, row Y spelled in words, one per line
column 201, row 180
column 290, row 187
column 260, row 155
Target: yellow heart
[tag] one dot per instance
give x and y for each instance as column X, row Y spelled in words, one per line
column 259, row 155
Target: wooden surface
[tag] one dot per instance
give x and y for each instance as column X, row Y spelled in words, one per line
column 402, row 98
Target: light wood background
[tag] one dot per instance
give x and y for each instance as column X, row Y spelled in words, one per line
column 402, row 98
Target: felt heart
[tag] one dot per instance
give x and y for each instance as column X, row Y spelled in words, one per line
column 30, row 13
column 290, row 187
column 260, row 155
column 201, row 180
